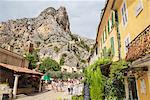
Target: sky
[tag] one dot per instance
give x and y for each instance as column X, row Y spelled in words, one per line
column 84, row 15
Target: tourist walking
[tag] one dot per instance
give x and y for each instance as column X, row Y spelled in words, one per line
column 69, row 87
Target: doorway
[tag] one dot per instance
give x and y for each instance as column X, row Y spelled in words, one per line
column 132, row 88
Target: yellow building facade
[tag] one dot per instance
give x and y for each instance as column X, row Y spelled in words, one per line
column 134, row 21
column 131, row 38
column 107, row 33
column 138, row 18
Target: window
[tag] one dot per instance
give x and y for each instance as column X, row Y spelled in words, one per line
column 139, row 8
column 103, row 37
column 105, row 33
column 105, row 52
column 101, row 42
column 108, row 26
column 143, row 86
column 124, row 14
column 96, row 50
column 126, row 42
column 113, row 18
column 112, row 45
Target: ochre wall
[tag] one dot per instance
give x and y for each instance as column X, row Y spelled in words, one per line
column 143, row 96
column 113, row 33
column 135, row 24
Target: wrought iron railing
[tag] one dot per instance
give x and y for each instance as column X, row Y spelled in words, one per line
column 140, row 46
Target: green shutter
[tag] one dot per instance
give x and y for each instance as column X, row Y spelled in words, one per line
column 105, row 52
column 101, row 42
column 108, row 27
column 113, row 21
column 103, row 37
column 105, row 33
column 112, row 45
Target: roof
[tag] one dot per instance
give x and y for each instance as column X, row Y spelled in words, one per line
column 20, row 69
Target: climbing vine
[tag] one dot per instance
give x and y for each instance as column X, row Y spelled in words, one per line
column 106, row 87
column 114, row 87
column 95, row 79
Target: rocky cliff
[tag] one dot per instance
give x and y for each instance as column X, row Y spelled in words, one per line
column 50, row 34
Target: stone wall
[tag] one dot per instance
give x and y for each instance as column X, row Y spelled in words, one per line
column 11, row 58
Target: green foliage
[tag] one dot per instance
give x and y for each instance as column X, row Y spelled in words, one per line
column 56, row 49
column 107, row 53
column 95, row 79
column 102, row 87
column 62, row 61
column 83, row 45
column 63, row 75
column 73, row 37
column 83, row 61
column 49, row 64
column 77, row 97
column 32, row 58
column 114, row 87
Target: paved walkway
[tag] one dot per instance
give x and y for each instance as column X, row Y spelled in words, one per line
column 50, row 95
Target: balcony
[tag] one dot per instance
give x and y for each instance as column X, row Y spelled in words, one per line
column 140, row 46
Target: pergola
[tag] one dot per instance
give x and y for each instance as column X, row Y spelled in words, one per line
column 17, row 72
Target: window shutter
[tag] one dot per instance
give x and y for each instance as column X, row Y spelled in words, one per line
column 112, row 16
column 112, row 45
column 105, row 34
column 110, row 23
column 108, row 27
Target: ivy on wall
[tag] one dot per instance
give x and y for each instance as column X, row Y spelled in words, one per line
column 102, row 87
column 114, row 87
column 95, row 79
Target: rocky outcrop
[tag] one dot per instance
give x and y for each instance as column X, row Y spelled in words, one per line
column 50, row 34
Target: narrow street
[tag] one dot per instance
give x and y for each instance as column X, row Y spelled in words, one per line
column 50, row 95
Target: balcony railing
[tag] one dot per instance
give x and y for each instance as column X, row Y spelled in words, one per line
column 140, row 46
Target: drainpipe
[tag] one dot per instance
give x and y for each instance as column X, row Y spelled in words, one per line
column 118, row 34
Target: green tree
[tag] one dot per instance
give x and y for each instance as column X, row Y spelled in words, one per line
column 32, row 58
column 62, row 61
column 49, row 64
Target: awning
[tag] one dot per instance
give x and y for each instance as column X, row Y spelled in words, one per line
column 47, row 77
column 20, row 69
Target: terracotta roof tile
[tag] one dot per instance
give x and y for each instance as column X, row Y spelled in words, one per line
column 19, row 69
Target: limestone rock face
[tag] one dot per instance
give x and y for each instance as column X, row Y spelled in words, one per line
column 50, row 34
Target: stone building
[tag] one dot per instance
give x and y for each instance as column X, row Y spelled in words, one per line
column 15, row 73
